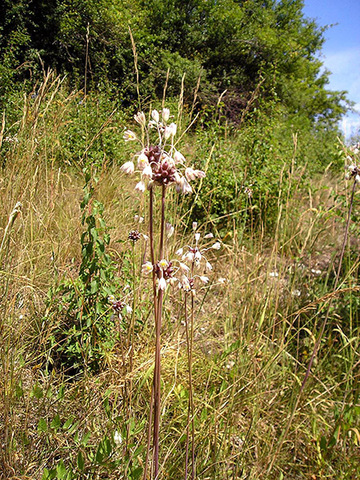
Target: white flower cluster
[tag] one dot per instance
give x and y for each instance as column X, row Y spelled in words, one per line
column 181, row 271
column 119, row 307
column 160, row 164
column 353, row 169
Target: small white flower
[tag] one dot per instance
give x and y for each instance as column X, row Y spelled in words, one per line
column 117, row 438
column 204, row 279
column 179, row 157
column 296, row 293
column 143, row 161
column 197, row 256
column 166, row 158
column 190, row 174
column 129, row 136
column 357, row 178
column 184, row 268
column 128, row 168
column 128, row 309
column 155, row 116
column 163, row 263
column 161, row 283
column 140, row 187
column 179, row 252
column 185, row 186
column 147, row 172
column 208, row 267
column 209, row 235
column 140, row 118
column 147, row 268
column 197, row 237
column 199, row 174
column 222, row 280
column 316, row 272
column 169, row 230
column 170, row 131
column 165, row 114
column 273, row 274
column 173, row 128
column 194, row 226
column 139, row 219
column 185, row 284
column 189, row 256
column 216, row 246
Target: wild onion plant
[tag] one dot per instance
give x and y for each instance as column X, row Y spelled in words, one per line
column 161, row 166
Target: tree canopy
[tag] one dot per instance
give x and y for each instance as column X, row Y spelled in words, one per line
column 233, row 46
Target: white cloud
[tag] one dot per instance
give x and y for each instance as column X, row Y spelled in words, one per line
column 342, row 60
column 345, row 68
column 350, row 125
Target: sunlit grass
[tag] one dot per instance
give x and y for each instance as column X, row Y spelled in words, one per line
column 254, row 334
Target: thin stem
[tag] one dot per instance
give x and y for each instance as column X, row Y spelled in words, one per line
column 189, row 343
column 162, row 231
column 191, row 394
column 322, row 329
column 157, row 386
column 151, row 235
column 130, row 346
column 157, row 371
column 188, row 415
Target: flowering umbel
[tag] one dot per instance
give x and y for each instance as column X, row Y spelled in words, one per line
column 160, row 163
column 353, row 169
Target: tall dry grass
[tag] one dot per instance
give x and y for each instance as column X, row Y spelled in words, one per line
column 253, row 335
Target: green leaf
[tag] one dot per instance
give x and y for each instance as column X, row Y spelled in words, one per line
column 94, row 286
column 56, row 422
column 19, row 392
column 61, row 392
column 48, row 474
column 323, row 444
column 136, row 473
column 61, row 470
column 85, row 439
column 42, row 425
column 68, row 423
column 37, row 392
column 80, row 461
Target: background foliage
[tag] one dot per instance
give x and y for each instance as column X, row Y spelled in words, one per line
column 264, row 127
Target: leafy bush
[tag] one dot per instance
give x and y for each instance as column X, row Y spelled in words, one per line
column 85, row 330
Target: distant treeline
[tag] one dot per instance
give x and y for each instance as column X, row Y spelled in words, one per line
column 239, row 47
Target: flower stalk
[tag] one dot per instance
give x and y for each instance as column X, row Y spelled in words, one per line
column 160, row 165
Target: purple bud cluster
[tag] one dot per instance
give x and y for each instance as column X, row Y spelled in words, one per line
column 118, row 306
column 164, row 173
column 134, row 236
column 167, row 272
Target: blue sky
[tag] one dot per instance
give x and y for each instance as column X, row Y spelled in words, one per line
column 341, row 51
